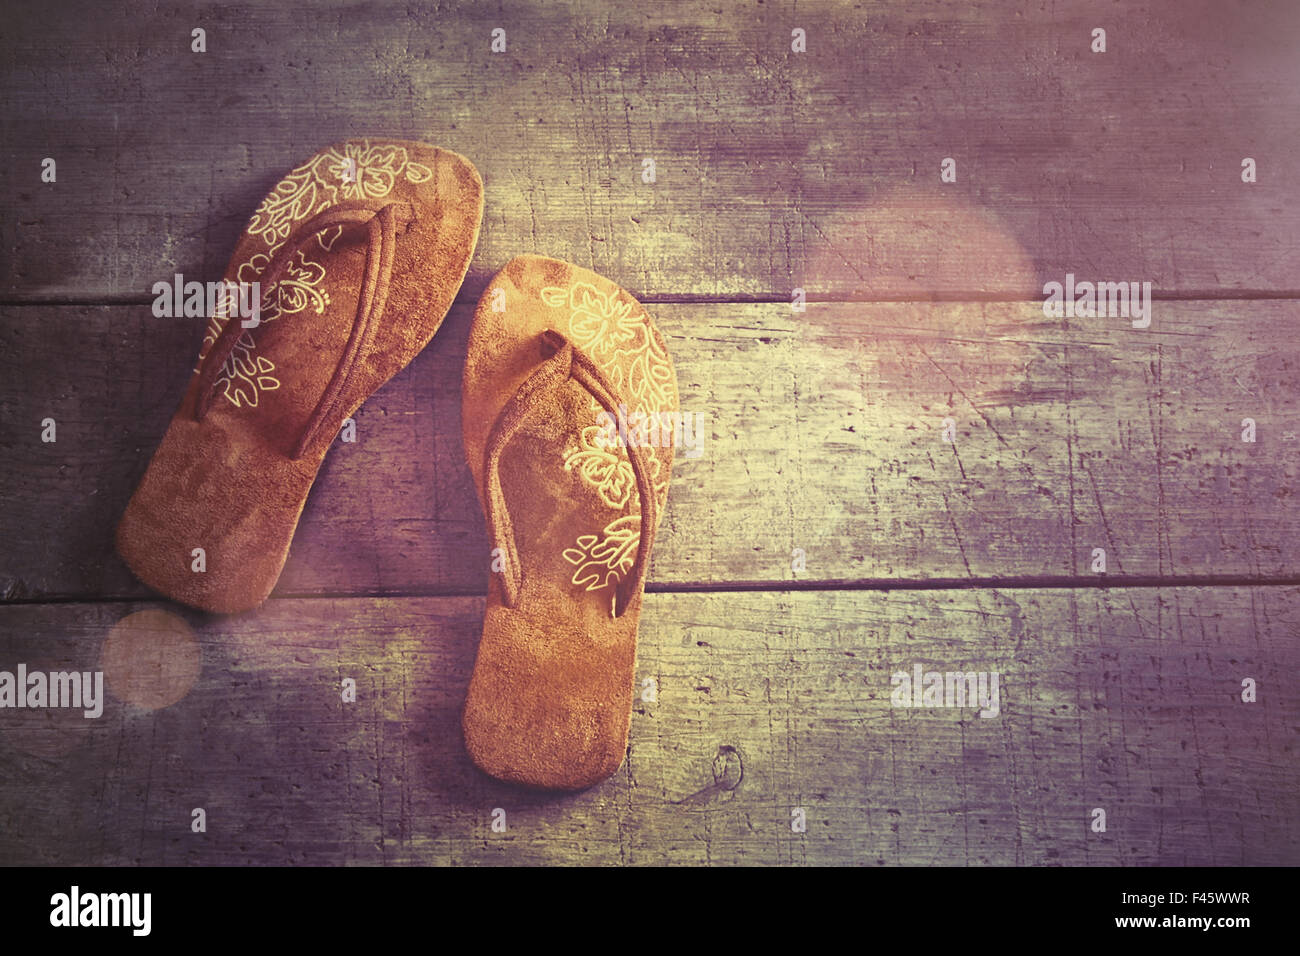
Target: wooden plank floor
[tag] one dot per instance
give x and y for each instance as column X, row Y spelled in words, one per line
column 824, row 431
column 1068, row 439
column 767, row 702
column 774, row 170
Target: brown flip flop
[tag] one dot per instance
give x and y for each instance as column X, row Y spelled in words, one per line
column 564, row 369
column 359, row 253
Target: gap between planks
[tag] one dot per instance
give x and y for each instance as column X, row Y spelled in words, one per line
column 1014, row 583
column 688, row 298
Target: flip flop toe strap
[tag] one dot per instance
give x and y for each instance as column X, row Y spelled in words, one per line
column 562, row 362
column 381, row 221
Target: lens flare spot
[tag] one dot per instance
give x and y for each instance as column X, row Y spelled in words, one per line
column 151, row 659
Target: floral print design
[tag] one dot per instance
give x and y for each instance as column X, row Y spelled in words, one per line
column 360, row 171
column 299, row 288
column 602, row 467
column 618, row 337
column 602, row 560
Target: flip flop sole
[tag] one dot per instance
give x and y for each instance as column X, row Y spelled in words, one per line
column 550, row 698
column 227, row 484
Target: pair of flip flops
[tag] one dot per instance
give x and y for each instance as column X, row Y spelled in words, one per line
column 359, row 253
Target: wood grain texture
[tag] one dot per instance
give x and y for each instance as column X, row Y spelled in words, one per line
column 824, row 432
column 775, row 170
column 1127, row 700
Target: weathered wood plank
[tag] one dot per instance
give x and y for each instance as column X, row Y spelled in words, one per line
column 825, row 433
column 774, row 170
column 1127, row 700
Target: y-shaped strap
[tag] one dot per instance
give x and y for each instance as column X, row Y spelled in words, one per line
column 563, row 361
column 381, row 221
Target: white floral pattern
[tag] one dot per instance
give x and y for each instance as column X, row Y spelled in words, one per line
column 360, row 171
column 603, row 559
column 618, row 338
